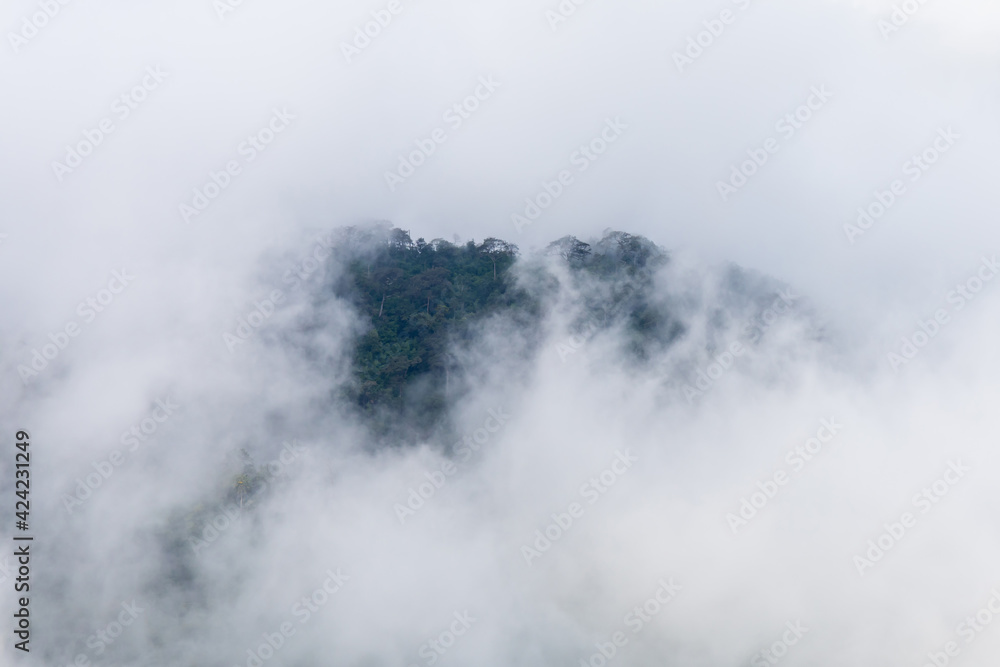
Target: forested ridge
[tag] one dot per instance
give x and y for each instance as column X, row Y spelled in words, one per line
column 421, row 299
column 423, row 306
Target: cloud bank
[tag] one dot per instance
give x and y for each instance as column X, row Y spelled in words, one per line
column 822, row 493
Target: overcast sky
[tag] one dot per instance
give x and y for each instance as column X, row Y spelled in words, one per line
column 185, row 156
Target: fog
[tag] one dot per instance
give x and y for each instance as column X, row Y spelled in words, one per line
column 178, row 166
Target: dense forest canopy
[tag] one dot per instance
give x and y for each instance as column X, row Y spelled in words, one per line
column 421, row 299
column 418, row 297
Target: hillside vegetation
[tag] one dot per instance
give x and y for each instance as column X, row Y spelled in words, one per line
column 423, row 298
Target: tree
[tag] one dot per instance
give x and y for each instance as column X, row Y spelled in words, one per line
column 406, row 366
column 496, row 249
column 571, row 249
column 437, row 290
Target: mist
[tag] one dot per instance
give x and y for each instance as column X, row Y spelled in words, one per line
column 797, row 466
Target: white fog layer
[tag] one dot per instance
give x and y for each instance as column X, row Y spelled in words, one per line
column 775, row 444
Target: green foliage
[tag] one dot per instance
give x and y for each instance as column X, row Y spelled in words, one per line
column 621, row 265
column 420, row 298
column 248, row 483
column 617, row 254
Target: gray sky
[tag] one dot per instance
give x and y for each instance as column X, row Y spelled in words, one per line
column 183, row 87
